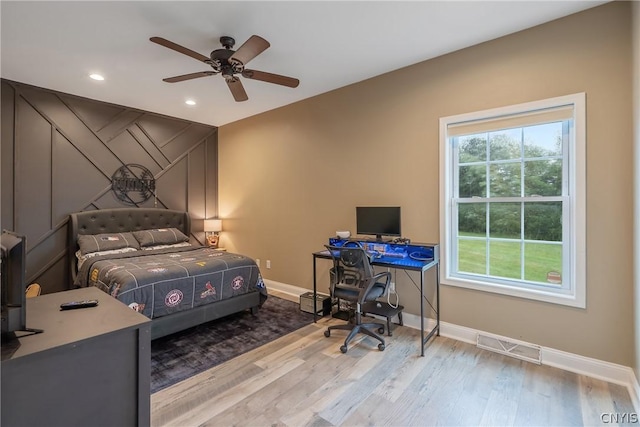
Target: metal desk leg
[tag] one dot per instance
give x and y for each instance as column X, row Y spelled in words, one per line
column 436, row 328
column 438, row 297
column 315, row 315
column 422, row 313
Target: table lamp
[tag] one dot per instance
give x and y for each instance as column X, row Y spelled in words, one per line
column 213, row 226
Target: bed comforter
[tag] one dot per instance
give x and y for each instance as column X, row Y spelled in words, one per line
column 161, row 282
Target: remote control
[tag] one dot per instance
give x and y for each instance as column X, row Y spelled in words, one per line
column 78, row 304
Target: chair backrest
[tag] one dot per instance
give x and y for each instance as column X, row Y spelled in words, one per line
column 351, row 266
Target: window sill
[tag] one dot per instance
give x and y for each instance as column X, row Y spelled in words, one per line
column 530, row 294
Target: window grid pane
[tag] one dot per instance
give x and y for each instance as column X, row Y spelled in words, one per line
column 472, row 255
column 543, row 263
column 505, row 258
column 516, row 232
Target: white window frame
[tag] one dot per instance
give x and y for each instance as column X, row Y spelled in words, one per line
column 574, row 293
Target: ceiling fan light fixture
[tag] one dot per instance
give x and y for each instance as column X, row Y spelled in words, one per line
column 96, row 76
column 190, row 102
column 236, row 66
column 216, row 65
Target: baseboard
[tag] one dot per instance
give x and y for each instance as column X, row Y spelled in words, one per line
column 571, row 362
column 595, row 368
column 284, row 291
column 634, row 392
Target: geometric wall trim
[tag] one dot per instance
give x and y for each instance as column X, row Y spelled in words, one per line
column 60, row 151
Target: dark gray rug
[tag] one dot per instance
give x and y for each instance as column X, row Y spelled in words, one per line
column 181, row 355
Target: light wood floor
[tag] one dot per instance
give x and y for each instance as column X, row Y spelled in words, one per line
column 302, row 379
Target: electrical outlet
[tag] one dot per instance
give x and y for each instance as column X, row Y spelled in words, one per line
column 268, row 263
column 258, row 262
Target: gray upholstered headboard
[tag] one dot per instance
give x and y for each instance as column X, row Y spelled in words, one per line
column 121, row 220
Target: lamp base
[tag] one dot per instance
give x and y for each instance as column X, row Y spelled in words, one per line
column 212, row 241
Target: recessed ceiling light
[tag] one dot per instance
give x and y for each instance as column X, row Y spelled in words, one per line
column 190, row 102
column 96, row 76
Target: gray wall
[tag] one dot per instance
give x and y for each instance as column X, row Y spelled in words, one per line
column 58, row 155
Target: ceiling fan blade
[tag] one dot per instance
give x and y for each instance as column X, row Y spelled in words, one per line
column 178, row 48
column 188, row 76
column 271, row 78
column 250, row 49
column 237, row 90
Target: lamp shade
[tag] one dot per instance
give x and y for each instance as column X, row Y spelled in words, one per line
column 212, row 225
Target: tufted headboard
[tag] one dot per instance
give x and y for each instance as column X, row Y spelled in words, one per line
column 121, row 220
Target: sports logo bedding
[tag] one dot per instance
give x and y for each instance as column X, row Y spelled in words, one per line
column 161, row 282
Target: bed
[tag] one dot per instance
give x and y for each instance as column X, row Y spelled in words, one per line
column 141, row 256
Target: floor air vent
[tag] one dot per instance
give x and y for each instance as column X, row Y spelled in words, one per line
column 517, row 349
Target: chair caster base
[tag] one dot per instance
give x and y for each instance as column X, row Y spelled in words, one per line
column 343, row 348
column 327, row 334
column 381, row 347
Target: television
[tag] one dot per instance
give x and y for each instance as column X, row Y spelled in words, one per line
column 12, row 278
column 378, row 221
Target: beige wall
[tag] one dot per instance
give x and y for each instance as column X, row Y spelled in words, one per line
column 290, row 178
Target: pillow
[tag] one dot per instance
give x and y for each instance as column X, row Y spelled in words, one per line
column 159, row 236
column 105, row 242
column 83, row 257
column 174, row 245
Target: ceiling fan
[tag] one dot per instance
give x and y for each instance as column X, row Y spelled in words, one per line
column 228, row 62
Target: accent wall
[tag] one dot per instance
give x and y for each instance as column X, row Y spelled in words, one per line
column 60, row 152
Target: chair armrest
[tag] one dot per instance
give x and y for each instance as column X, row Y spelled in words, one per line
column 372, row 282
column 383, row 274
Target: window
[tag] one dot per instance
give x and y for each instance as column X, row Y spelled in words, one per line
column 513, row 200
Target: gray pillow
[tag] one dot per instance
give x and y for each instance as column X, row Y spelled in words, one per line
column 160, row 236
column 90, row 243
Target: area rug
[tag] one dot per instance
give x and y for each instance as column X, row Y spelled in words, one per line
column 181, row 355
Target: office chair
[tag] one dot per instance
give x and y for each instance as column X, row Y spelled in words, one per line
column 352, row 279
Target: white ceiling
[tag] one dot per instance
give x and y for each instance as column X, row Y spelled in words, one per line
column 327, row 45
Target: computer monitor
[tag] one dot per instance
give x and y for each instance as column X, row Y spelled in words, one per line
column 378, row 221
column 13, row 278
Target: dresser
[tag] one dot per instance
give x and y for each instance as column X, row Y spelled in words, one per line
column 89, row 366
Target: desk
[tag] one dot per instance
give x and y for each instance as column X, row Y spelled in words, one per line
column 403, row 263
column 90, row 367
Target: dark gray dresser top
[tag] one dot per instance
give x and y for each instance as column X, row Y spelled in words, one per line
column 63, row 328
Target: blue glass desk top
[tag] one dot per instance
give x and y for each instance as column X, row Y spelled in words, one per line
column 415, row 256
